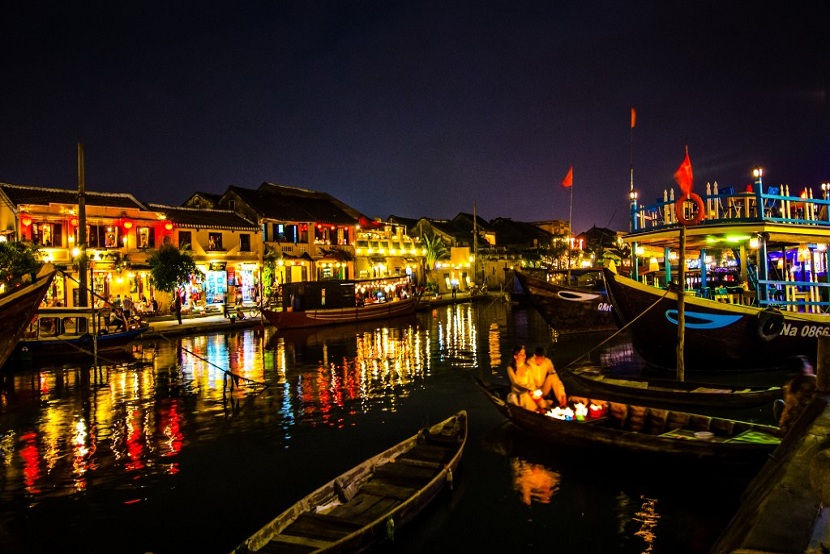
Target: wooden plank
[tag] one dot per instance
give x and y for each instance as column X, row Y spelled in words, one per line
column 390, row 490
column 369, row 510
column 404, row 474
column 320, row 527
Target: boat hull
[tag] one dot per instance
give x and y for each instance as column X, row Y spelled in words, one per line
column 656, row 436
column 366, row 505
column 569, row 309
column 335, row 316
column 667, row 392
column 718, row 336
column 77, row 347
column 17, row 308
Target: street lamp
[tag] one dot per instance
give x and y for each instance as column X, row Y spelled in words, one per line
column 758, row 173
column 825, row 189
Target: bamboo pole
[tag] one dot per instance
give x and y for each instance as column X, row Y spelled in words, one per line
column 681, row 307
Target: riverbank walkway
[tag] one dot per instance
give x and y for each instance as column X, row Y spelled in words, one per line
column 168, row 326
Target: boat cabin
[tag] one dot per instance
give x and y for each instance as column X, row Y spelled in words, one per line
column 66, row 323
column 334, row 294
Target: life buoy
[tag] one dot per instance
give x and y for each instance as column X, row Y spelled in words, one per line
column 680, row 211
column 770, row 324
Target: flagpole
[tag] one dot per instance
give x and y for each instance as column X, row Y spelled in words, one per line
column 570, row 231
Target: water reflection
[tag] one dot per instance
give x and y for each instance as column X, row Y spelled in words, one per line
column 155, row 440
column 534, row 482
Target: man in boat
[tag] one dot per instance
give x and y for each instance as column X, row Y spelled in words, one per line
column 546, row 379
column 798, row 391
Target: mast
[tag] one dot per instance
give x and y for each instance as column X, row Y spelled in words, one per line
column 475, row 245
column 83, row 284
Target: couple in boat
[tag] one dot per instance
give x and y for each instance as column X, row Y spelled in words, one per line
column 534, row 383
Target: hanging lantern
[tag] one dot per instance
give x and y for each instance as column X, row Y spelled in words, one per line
column 26, row 220
column 168, row 225
column 128, row 224
column 74, row 221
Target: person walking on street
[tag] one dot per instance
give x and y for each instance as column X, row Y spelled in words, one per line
column 177, row 305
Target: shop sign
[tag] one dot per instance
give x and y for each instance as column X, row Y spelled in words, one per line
column 217, row 266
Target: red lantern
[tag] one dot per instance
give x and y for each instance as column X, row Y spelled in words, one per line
column 26, row 220
column 168, row 225
column 74, row 221
column 128, row 224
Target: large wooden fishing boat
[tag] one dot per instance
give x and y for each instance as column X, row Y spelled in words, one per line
column 662, row 392
column 640, row 430
column 332, row 302
column 366, row 505
column 18, row 307
column 755, row 286
column 572, row 301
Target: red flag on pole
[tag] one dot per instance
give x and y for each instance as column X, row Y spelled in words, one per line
column 568, row 181
column 683, row 175
column 633, row 117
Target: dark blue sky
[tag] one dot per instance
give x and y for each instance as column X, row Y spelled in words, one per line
column 415, row 108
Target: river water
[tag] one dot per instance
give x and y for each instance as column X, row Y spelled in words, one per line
column 165, row 456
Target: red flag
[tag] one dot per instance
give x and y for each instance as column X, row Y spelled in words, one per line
column 633, row 117
column 683, row 175
column 568, row 181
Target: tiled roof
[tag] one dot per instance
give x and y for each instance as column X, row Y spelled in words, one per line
column 294, row 204
column 43, row 196
column 202, row 218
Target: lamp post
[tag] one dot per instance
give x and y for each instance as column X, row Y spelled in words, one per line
column 758, row 173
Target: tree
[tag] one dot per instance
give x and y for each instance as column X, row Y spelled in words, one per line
column 171, row 266
column 17, row 260
column 436, row 250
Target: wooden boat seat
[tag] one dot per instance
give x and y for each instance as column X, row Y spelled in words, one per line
column 378, row 487
column 317, row 527
column 404, row 474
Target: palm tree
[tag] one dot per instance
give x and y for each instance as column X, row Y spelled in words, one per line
column 436, row 250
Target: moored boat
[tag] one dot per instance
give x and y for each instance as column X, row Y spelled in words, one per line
column 641, row 430
column 366, row 505
column 332, row 302
column 17, row 308
column 668, row 392
column 755, row 279
column 73, row 332
column 571, row 301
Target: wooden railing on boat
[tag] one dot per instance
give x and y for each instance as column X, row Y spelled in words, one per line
column 774, row 205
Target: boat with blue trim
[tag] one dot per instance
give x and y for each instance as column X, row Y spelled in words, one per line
column 755, row 284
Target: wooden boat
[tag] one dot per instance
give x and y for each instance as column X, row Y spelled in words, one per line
column 641, row 430
column 756, row 290
column 571, row 302
column 17, row 308
column 718, row 336
column 670, row 392
column 317, row 303
column 73, row 332
column 366, row 505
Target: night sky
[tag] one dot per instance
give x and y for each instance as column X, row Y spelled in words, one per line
column 416, row 108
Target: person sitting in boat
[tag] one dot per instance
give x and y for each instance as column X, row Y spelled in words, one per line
column 546, row 379
column 798, row 391
column 119, row 321
column 523, row 391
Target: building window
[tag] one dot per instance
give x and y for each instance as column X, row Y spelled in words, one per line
column 215, row 241
column 244, row 242
column 47, row 234
column 185, row 240
column 146, row 237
